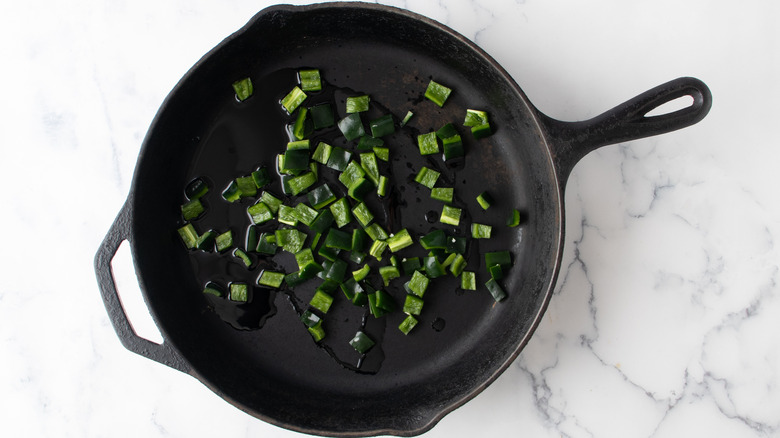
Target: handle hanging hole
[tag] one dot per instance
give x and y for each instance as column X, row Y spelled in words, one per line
column 673, row 105
column 131, row 297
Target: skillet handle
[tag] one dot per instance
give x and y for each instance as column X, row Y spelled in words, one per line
column 162, row 353
column 571, row 141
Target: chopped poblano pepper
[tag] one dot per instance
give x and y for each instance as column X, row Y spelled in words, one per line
column 188, row 236
column 370, row 166
column 368, row 143
column 299, row 145
column 305, row 214
column 231, row 193
column 359, row 240
column 406, row 118
column 212, row 288
column 339, row 159
column 427, row 143
column 322, row 116
column 458, row 265
column 495, row 289
column 514, row 218
column 321, row 197
column 413, row 305
column 381, row 188
column 360, row 188
column 450, row 215
column 302, row 127
column 485, row 200
column 388, row 273
column 246, row 186
column 437, row 93
column 239, row 253
column 260, row 213
column 427, row 177
column 192, row 209
column 447, row 131
column 361, row 273
column 399, row 240
column 287, row 215
column 375, row 310
column 301, row 183
column 382, row 153
column 206, row 241
column 321, row 301
column 436, row 239
column 361, row 342
column 271, row 279
column 322, row 222
column 357, row 104
column 317, row 332
column 433, row 269
column 352, row 173
column 407, row 324
column 290, row 239
column 310, row 80
column 293, row 99
column 475, row 118
column 444, row 194
column 453, row 148
column 503, row 258
column 496, row 272
column 362, row 214
column 377, row 248
column 409, row 265
column 309, row 318
column 351, row 287
column 271, row 201
column 239, row 292
column 481, row 231
column 418, row 284
column 266, row 244
column 295, row 160
column 341, row 213
column 482, row 131
column 468, row 280
column 197, row 188
column 352, row 127
column 382, row 126
column 322, row 153
column 224, row 240
column 243, row 89
column 261, row 177
column 337, row 271
column 376, row 232
column 307, row 266
column 338, row 239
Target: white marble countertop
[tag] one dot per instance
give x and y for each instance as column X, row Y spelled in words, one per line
column 666, row 317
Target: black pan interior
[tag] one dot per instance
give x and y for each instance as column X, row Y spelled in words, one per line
column 464, row 339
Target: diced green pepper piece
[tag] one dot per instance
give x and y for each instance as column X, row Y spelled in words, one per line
column 299, row 184
column 206, row 240
column 246, row 186
column 360, row 188
column 407, row 324
column 290, row 239
column 295, row 160
column 338, row 239
column 302, row 127
column 496, row 272
column 388, row 273
column 307, row 266
column 514, row 218
column 444, row 194
column 383, row 153
column 271, row 279
column 261, row 177
column 503, row 258
column 485, row 200
column 309, row 318
column 321, row 197
column 446, row 131
column 321, row 301
column 336, row 271
column 362, row 214
column 272, row 202
column 322, row 222
column 351, row 174
column 231, row 192
column 437, row 93
column 293, row 99
column 251, row 238
column 399, row 240
column 381, row 188
column 188, row 236
column 409, row 265
column 359, row 240
column 197, row 188
column 375, row 310
column 368, row 143
column 317, row 332
column 192, row 209
column 352, row 127
column 299, row 145
column 376, row 232
column 458, row 265
column 456, row 245
column 433, row 269
column 239, row 253
column 310, row 80
column 427, row 143
column 453, row 148
column 495, row 289
column 287, row 215
column 339, row 159
column 305, row 214
column 450, row 215
column 407, row 117
column 322, row 116
column 370, row 166
column 468, row 280
column 322, row 153
column 361, row 342
column 377, row 248
column 212, row 288
column 382, row 126
column 239, row 292
column 436, row 239
column 482, row 131
column 427, row 177
column 481, row 231
column 418, row 284
column 260, row 213
column 341, row 213
column 361, row 273
column 357, row 104
column 351, row 287
column 243, row 89
column 413, row 305
column 224, row 240
column 385, row 301
column 266, row 244
column 475, row 118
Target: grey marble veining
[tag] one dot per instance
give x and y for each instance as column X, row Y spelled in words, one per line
column 664, row 321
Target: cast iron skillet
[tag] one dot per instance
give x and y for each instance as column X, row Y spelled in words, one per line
column 464, row 340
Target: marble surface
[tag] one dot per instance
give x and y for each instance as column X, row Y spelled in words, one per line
column 666, row 318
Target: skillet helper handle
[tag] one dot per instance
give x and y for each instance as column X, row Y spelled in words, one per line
column 627, row 121
column 162, row 353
